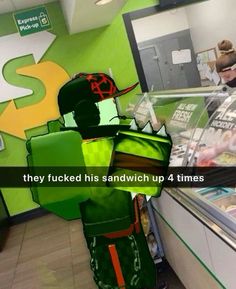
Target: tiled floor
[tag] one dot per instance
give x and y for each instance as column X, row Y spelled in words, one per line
column 48, row 253
column 166, row 274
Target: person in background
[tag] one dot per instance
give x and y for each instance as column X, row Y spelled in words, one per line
column 226, row 63
column 226, row 68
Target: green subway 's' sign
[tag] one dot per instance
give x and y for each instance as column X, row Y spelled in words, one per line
column 32, row 21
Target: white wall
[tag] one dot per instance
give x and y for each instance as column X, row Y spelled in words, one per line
column 84, row 15
column 68, row 8
column 211, row 22
column 160, row 24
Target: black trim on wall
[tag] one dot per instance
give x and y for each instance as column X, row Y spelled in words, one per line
column 4, row 222
column 4, row 204
column 27, row 216
column 183, row 3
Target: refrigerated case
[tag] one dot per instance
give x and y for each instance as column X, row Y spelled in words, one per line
column 202, row 125
column 217, row 148
column 214, row 145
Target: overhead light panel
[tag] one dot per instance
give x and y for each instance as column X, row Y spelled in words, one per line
column 102, row 2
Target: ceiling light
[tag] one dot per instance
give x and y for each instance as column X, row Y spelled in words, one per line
column 102, row 2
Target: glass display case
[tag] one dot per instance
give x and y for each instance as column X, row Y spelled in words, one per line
column 216, row 147
column 185, row 114
column 202, row 125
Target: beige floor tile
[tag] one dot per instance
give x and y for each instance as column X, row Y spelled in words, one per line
column 81, row 267
column 50, row 271
column 15, row 236
column 9, row 258
column 84, row 279
column 55, row 260
column 80, row 249
column 44, row 220
column 76, row 225
column 83, row 276
column 25, row 275
column 10, row 253
column 78, row 242
column 31, row 283
column 17, row 229
column 45, row 225
column 77, row 236
column 6, row 278
column 46, row 253
column 76, row 228
column 58, row 258
column 44, row 244
column 81, row 258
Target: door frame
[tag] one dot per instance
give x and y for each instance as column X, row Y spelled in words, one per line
column 129, row 17
column 156, row 51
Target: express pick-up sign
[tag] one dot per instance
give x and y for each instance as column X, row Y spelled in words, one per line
column 32, row 20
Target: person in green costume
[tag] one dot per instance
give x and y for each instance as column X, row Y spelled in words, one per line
column 120, row 257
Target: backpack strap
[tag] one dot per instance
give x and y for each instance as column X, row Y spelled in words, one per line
column 116, row 254
column 116, row 265
column 136, row 213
